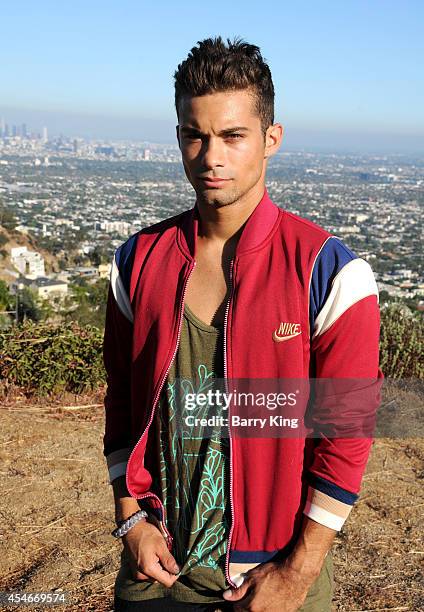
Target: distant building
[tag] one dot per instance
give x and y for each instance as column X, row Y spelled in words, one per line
column 122, row 227
column 44, row 287
column 361, row 218
column 348, row 229
column 109, row 151
column 45, row 230
column 392, row 290
column 29, row 263
column 104, row 270
column 45, row 137
column 85, row 271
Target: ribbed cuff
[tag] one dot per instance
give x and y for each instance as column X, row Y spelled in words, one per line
column 328, row 504
column 117, row 463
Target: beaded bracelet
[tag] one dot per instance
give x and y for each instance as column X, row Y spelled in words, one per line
column 130, row 522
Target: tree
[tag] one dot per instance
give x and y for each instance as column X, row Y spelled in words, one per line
column 3, row 239
column 7, row 302
column 90, row 302
column 98, row 256
column 27, row 305
column 97, row 293
column 7, row 218
column 6, row 299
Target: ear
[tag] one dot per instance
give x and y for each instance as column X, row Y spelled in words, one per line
column 273, row 139
column 177, row 129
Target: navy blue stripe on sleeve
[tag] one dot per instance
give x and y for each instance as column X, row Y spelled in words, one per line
column 333, row 256
column 333, row 490
column 124, row 257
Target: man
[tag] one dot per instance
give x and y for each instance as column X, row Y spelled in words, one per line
column 235, row 288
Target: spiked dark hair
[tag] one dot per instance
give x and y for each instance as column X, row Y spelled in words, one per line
column 213, row 66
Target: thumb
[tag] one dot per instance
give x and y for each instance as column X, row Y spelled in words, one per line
column 168, row 562
column 234, row 594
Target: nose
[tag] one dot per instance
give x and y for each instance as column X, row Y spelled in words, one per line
column 212, row 153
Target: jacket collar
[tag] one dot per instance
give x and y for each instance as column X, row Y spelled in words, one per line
column 257, row 227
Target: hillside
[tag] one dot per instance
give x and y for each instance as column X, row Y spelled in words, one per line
column 57, row 513
column 13, row 238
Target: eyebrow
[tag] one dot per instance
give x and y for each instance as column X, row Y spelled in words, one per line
column 193, row 130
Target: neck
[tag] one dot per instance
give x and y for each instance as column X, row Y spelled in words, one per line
column 223, row 223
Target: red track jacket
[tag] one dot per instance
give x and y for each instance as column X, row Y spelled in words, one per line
column 287, row 274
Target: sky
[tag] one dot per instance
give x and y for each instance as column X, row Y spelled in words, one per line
column 346, row 73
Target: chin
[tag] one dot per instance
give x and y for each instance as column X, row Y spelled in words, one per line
column 217, row 200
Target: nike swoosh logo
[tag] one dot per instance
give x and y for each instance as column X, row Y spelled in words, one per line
column 278, row 338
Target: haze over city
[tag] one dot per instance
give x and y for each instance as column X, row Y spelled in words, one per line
column 346, row 75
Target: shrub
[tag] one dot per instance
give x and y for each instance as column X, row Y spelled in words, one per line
column 401, row 342
column 42, row 358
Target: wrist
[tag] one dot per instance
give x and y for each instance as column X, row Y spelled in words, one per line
column 125, row 508
column 312, row 545
column 125, row 526
column 305, row 564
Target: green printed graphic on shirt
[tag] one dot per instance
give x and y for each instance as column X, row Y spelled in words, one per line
column 199, row 496
column 193, row 467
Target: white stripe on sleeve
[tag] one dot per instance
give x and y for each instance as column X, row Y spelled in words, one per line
column 324, row 517
column 119, row 292
column 354, row 282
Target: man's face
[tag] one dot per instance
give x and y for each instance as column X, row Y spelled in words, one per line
column 222, row 146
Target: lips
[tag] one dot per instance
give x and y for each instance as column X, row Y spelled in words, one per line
column 214, row 182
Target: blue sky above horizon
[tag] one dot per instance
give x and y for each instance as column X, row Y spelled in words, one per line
column 348, row 67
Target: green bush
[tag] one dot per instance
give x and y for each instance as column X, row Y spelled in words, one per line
column 401, row 342
column 43, row 359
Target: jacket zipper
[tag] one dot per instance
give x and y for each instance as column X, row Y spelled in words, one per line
column 227, row 557
column 169, row 538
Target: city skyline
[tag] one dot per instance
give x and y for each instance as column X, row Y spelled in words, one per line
column 92, row 128
column 345, row 75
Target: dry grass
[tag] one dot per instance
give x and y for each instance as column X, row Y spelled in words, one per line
column 57, row 513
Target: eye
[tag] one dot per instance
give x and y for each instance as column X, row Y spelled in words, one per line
column 234, row 136
column 190, row 136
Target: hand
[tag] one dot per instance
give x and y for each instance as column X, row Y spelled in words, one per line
column 271, row 587
column 149, row 556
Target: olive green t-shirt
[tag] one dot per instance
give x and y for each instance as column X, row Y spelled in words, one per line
column 193, row 483
column 193, row 473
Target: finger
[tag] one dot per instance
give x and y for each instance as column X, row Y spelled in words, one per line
column 233, row 594
column 157, row 572
column 135, row 571
column 244, row 604
column 168, row 562
column 141, row 576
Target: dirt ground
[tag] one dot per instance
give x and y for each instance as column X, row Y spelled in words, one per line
column 57, row 513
